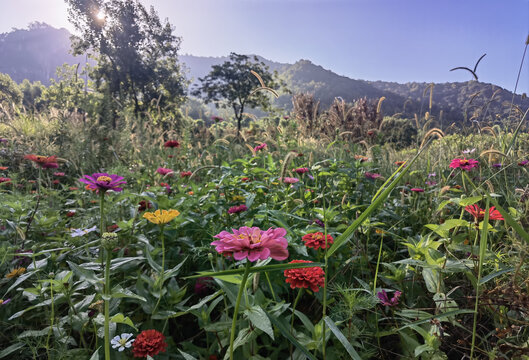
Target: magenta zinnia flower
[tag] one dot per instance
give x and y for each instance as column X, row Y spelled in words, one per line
column 301, row 170
column 464, row 164
column 237, row 209
column 384, row 300
column 259, row 147
column 103, row 181
column 164, row 171
column 252, row 243
column 419, row 190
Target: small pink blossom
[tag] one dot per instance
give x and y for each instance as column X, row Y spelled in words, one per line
column 260, row 147
column 372, row 176
column 164, row 171
column 252, row 243
column 302, row 170
column 290, row 180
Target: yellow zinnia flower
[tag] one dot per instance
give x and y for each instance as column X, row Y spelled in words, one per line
column 16, row 272
column 161, row 217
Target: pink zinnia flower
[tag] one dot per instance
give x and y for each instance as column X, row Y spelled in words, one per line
column 237, row 209
column 58, row 174
column 289, row 180
column 259, row 147
column 302, row 170
column 164, row 171
column 372, row 176
column 252, row 243
column 464, row 164
column 418, row 190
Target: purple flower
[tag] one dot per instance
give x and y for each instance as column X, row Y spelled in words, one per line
column 5, row 302
column 318, row 221
column 432, row 175
column 290, row 180
column 103, row 181
column 252, row 243
column 431, row 183
column 237, row 209
column 3, row 140
column 523, row 163
column 203, row 285
column 497, row 165
column 384, row 300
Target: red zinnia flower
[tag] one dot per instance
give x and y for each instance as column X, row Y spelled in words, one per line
column 399, row 163
column 5, row 180
column 312, row 277
column 245, row 179
column 317, row 240
column 464, row 164
column 56, row 182
column 143, row 205
column 45, row 162
column 4, row 167
column 185, row 173
column 70, row 213
column 172, row 144
column 301, row 170
column 149, row 342
column 372, row 176
column 419, row 190
column 479, row 213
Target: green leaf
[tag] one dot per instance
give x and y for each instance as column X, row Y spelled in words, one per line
column 119, row 292
column 255, row 269
column 151, row 262
column 494, row 274
column 186, row 355
column 10, row 349
column 19, row 280
column 343, row 340
column 173, row 271
column 377, row 201
column 508, row 218
column 286, row 333
column 95, row 355
column 259, row 319
column 470, row 201
column 84, row 274
column 122, row 319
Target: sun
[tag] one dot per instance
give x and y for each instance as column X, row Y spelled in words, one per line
column 101, row 15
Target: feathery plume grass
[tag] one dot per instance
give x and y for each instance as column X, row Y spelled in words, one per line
column 432, row 132
column 379, row 105
column 286, row 162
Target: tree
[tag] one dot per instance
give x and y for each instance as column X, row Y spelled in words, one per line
column 232, row 85
column 9, row 91
column 136, row 54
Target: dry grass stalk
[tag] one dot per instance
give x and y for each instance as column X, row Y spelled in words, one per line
column 379, row 105
column 432, row 132
column 286, row 162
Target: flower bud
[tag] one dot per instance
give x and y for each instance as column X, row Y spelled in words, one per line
column 109, row 240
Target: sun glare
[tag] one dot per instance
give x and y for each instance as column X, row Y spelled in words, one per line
column 100, row 15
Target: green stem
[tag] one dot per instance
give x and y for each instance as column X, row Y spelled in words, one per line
column 293, row 315
column 378, row 264
column 270, row 286
column 102, row 222
column 237, row 303
column 52, row 316
column 107, row 305
column 162, row 272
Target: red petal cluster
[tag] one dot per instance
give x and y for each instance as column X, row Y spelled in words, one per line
column 46, row 162
column 149, row 342
column 172, row 144
column 312, row 277
column 479, row 213
column 317, row 240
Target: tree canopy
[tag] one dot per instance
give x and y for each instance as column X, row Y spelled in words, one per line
column 232, row 85
column 136, row 53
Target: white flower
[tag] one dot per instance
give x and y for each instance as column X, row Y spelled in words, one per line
column 122, row 341
column 468, row 151
column 79, row 232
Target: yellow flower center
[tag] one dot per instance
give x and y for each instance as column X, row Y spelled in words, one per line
column 104, row 178
column 464, row 162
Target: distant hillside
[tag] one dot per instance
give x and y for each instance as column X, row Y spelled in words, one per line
column 36, row 52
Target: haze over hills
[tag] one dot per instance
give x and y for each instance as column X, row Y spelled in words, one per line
column 36, row 52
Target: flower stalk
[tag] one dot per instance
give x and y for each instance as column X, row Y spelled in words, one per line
column 237, row 304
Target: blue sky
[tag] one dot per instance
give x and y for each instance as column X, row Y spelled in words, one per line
column 391, row 40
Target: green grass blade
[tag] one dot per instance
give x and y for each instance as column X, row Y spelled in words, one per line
column 255, row 269
column 286, row 333
column 343, row 340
